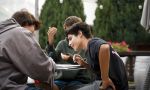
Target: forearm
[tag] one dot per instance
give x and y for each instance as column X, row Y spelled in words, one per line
column 104, row 59
column 53, row 53
column 49, row 48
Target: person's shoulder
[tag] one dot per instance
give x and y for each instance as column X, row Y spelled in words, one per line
column 93, row 41
column 96, row 42
column 63, row 44
column 64, row 41
column 20, row 30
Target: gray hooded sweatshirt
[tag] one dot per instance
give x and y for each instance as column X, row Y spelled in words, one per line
column 21, row 57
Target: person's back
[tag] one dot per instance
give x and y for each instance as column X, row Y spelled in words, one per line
column 117, row 71
column 20, row 57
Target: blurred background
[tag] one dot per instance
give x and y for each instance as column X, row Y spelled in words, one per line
column 8, row 7
column 115, row 21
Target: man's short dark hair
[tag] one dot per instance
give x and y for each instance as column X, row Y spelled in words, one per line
column 24, row 18
column 81, row 26
column 71, row 20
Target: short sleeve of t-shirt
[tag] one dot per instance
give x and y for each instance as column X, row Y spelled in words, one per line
column 94, row 46
column 92, row 52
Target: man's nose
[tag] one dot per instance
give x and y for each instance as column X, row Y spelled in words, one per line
column 69, row 43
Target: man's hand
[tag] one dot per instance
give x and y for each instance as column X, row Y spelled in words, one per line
column 65, row 57
column 106, row 84
column 77, row 58
column 51, row 33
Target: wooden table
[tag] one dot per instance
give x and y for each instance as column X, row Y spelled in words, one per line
column 131, row 61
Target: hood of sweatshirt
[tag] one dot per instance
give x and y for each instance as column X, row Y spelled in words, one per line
column 8, row 24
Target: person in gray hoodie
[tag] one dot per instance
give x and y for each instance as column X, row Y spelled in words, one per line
column 20, row 57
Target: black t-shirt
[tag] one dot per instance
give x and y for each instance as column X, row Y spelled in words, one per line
column 117, row 71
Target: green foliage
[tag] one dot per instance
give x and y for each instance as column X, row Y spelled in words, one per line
column 54, row 13
column 119, row 20
column 49, row 16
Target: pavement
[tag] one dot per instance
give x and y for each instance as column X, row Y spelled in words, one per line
column 140, row 71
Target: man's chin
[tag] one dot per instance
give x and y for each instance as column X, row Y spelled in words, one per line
column 76, row 49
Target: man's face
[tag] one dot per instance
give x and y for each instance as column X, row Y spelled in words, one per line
column 74, row 41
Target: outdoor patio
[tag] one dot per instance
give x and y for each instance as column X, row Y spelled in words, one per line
column 142, row 64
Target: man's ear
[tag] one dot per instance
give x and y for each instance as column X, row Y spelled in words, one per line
column 80, row 33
